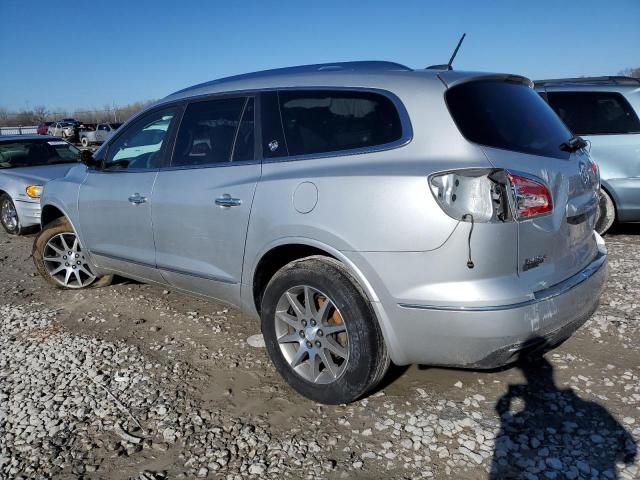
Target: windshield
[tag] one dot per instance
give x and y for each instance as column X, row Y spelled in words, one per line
column 31, row 153
column 507, row 115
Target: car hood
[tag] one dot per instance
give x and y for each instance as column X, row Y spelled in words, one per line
column 39, row 174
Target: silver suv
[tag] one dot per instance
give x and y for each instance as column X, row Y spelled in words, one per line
column 364, row 212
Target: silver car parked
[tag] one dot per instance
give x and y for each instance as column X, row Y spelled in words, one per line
column 27, row 162
column 365, row 212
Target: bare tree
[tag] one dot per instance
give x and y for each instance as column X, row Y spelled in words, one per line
column 631, row 72
column 40, row 113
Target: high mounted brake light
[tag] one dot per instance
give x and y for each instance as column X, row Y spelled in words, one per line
column 531, row 197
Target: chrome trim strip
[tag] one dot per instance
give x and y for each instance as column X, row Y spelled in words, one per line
column 539, row 296
column 197, row 275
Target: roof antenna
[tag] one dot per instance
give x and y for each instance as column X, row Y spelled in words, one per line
column 448, row 66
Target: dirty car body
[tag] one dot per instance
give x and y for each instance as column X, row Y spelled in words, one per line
column 467, row 229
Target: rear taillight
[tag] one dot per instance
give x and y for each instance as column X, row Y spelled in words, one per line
column 475, row 193
column 531, row 197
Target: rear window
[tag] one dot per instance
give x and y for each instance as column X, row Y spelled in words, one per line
column 595, row 113
column 506, row 115
column 324, row 121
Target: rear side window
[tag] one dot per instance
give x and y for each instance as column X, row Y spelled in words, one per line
column 595, row 113
column 330, row 121
column 507, row 115
column 208, row 132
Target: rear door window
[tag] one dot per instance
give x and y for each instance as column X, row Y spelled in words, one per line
column 322, row 121
column 595, row 113
column 507, row 115
column 208, row 132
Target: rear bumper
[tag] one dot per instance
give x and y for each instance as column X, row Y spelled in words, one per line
column 492, row 336
column 28, row 213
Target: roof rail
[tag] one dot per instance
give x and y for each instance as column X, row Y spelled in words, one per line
column 606, row 80
column 366, row 66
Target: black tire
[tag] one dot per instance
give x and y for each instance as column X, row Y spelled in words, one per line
column 58, row 226
column 606, row 213
column 368, row 358
column 7, row 202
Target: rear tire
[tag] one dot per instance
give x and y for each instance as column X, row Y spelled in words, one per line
column 606, row 213
column 85, row 142
column 330, row 348
column 53, row 261
column 9, row 215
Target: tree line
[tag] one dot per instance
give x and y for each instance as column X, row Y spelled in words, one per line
column 40, row 113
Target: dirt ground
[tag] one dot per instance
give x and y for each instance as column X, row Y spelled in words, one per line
column 574, row 415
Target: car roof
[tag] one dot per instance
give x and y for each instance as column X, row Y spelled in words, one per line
column 31, row 136
column 605, row 83
column 360, row 74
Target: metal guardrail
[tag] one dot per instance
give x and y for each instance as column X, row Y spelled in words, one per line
column 18, row 130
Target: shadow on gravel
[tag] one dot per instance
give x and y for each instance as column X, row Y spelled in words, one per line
column 553, row 433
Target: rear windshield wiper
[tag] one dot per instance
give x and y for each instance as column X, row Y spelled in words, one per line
column 573, row 144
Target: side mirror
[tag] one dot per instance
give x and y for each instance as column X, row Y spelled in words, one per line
column 86, row 157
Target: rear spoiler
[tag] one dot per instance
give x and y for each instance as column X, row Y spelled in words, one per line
column 453, row 77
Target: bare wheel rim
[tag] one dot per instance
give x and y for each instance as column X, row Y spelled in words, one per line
column 66, row 263
column 9, row 214
column 312, row 335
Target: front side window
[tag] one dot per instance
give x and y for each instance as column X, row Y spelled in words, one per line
column 208, row 132
column 324, row 121
column 31, row 153
column 507, row 115
column 595, row 113
column 139, row 147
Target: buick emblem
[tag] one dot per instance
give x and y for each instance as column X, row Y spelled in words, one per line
column 584, row 173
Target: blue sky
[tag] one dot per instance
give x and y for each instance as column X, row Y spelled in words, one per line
column 87, row 54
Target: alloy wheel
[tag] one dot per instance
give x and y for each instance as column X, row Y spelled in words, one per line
column 9, row 214
column 66, row 263
column 312, row 334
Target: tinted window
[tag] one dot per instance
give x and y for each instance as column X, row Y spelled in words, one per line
column 243, row 149
column 208, row 131
column 330, row 121
column 139, row 147
column 506, row 115
column 595, row 113
column 273, row 144
column 30, row 153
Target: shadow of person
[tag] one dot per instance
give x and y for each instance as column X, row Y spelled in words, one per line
column 555, row 434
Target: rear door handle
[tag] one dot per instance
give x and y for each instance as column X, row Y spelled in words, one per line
column 228, row 201
column 137, row 199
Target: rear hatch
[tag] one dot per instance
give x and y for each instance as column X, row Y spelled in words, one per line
column 519, row 132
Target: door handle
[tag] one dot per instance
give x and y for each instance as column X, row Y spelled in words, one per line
column 137, row 199
column 228, row 201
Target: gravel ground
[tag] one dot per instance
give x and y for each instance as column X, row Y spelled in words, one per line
column 133, row 381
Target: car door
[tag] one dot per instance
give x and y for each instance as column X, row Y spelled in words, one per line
column 100, row 136
column 202, row 202
column 115, row 200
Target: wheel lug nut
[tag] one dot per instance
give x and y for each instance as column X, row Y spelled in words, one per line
column 301, row 334
column 64, row 257
column 73, row 266
column 318, row 344
column 78, row 262
column 309, row 344
column 70, row 253
column 313, row 323
column 77, row 255
column 319, row 333
column 304, row 323
column 66, row 264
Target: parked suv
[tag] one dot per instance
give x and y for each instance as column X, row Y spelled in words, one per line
column 365, row 212
column 605, row 111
